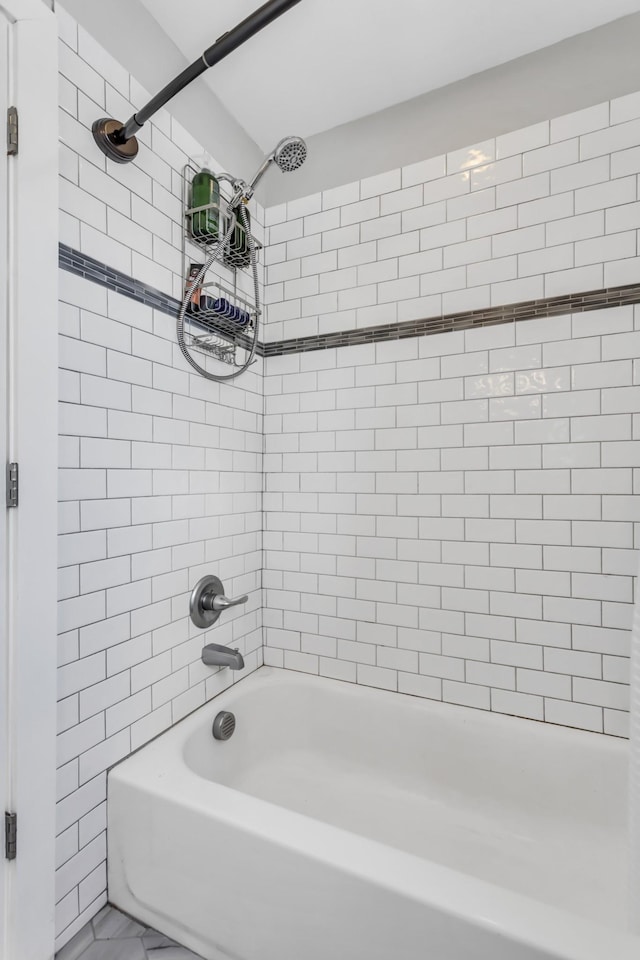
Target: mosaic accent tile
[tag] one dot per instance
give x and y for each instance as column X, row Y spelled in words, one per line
column 490, row 316
column 85, row 266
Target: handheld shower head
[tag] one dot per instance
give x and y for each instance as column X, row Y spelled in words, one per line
column 290, row 154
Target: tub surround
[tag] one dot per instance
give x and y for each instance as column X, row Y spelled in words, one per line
column 453, row 516
column 448, row 515
column 161, row 471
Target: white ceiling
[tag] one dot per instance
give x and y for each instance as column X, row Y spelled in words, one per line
column 327, row 62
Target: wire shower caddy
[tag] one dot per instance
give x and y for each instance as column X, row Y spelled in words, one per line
column 207, row 329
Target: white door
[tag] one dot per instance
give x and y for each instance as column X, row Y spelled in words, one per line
column 4, row 651
column 28, row 354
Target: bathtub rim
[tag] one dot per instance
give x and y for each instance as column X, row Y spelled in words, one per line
column 264, row 673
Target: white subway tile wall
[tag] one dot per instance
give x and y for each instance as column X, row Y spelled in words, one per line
column 160, row 473
column 540, row 212
column 453, row 516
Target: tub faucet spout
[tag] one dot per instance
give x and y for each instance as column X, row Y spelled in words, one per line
column 217, row 655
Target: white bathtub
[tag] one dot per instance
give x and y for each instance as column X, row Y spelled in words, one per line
column 342, row 823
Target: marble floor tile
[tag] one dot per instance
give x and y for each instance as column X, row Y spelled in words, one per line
column 131, row 949
column 110, row 924
column 112, row 935
column 172, row 953
column 74, row 949
column 153, row 940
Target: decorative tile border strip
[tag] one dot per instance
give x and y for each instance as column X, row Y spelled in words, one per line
column 85, row 266
column 490, row 316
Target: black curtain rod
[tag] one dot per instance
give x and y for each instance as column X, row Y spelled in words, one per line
column 118, row 141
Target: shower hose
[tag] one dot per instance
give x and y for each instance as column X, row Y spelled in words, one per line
column 197, row 280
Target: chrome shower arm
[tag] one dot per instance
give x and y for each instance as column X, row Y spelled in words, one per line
column 228, row 178
column 118, row 141
column 264, row 166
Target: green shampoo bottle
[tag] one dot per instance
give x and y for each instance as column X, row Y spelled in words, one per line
column 205, row 192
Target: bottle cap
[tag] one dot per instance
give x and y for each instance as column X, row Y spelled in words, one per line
column 204, row 161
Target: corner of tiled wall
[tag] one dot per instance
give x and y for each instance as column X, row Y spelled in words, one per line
column 161, row 471
column 452, row 515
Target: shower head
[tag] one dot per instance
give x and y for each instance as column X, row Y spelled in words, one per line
column 290, row 154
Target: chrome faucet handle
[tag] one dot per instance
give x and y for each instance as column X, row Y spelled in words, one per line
column 217, row 601
column 208, row 601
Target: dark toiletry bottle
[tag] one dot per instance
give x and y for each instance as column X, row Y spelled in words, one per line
column 205, row 192
column 242, row 242
column 239, row 255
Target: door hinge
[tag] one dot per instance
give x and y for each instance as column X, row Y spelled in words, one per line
column 12, row 131
column 12, row 484
column 10, row 835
